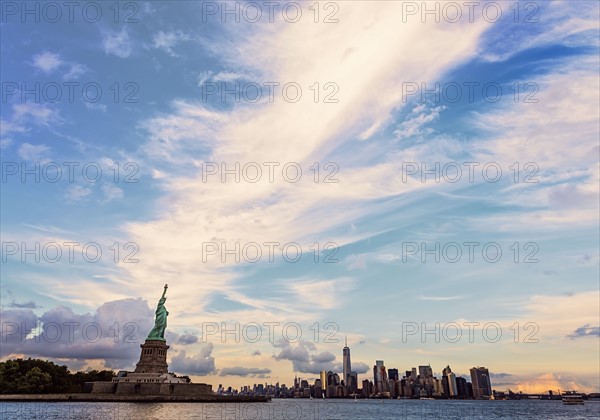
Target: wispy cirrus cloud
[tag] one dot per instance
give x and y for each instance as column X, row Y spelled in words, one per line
column 167, row 40
column 440, row 298
column 47, row 61
column 562, row 144
column 117, row 43
column 304, row 132
column 415, row 124
column 34, row 153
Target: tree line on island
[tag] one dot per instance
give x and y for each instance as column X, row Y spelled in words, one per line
column 35, row 376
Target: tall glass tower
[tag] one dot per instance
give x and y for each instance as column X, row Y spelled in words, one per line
column 480, row 377
column 346, row 367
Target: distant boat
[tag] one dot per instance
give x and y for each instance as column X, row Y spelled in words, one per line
column 572, row 399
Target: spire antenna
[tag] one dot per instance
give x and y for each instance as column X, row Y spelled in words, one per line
column 346, row 337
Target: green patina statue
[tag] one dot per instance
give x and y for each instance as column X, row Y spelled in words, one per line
column 160, row 323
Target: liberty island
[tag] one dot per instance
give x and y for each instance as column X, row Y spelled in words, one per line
column 150, row 381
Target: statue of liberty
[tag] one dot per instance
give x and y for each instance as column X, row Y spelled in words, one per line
column 160, row 322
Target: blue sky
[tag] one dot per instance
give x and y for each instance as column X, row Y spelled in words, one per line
column 158, row 118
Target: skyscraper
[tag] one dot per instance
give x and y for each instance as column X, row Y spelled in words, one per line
column 333, row 380
column 425, row 371
column 482, row 387
column 346, row 366
column 352, row 383
column 463, row 389
column 377, row 375
column 367, row 387
column 453, row 391
column 318, row 389
column 381, row 378
column 446, row 370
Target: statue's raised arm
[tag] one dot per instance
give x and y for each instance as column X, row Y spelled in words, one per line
column 160, row 322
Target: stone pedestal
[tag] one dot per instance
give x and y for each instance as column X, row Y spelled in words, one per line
column 153, row 358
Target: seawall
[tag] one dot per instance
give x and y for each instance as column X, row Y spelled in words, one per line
column 131, row 398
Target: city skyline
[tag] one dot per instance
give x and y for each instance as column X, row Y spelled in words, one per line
column 387, row 383
column 422, row 183
column 379, row 374
column 381, row 385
